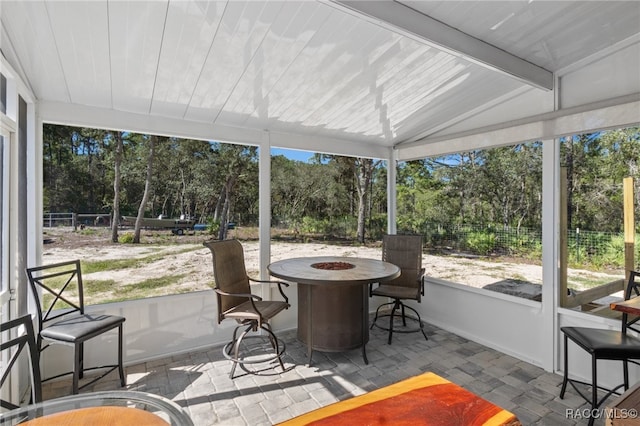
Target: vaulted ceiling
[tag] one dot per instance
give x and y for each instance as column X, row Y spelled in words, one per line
column 379, row 73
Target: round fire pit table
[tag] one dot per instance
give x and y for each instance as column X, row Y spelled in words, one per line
column 333, row 299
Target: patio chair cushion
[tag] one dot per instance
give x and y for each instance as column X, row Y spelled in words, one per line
column 268, row 309
column 604, row 344
column 78, row 328
column 396, row 291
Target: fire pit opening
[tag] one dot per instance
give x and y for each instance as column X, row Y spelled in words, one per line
column 333, row 266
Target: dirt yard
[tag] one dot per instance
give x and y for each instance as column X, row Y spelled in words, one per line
column 185, row 256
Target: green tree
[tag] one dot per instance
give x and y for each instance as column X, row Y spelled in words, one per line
column 117, row 136
column 151, row 140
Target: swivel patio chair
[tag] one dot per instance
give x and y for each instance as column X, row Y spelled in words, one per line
column 62, row 319
column 235, row 301
column 404, row 251
column 604, row 344
column 12, row 345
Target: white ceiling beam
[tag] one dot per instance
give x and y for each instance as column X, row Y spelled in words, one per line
column 620, row 112
column 399, row 17
column 109, row 119
column 332, row 146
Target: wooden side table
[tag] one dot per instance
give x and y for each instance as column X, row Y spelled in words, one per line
column 625, row 410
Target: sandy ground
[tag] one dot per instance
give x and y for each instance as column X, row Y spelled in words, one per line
column 185, row 256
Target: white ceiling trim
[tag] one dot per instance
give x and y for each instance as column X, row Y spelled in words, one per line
column 24, row 88
column 460, row 118
column 328, row 146
column 630, row 41
column 102, row 118
column 396, row 16
column 613, row 113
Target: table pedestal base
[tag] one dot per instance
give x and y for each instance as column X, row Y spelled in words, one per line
column 333, row 318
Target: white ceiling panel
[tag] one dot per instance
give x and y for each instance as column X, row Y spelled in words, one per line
column 242, row 30
column 188, row 35
column 516, row 105
column 320, row 70
column 136, row 30
column 295, row 25
column 466, row 91
column 30, row 35
column 81, row 33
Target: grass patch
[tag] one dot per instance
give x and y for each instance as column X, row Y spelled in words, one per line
column 583, row 283
column 495, row 268
column 119, row 264
column 98, row 286
column 150, row 284
column 147, row 288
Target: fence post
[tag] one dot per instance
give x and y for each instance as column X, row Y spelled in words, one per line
column 629, row 226
column 74, row 221
column 578, row 245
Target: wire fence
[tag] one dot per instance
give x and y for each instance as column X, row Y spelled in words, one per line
column 584, row 247
column 52, row 220
column 594, row 248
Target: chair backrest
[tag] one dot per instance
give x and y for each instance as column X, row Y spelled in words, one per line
column 14, row 343
column 404, row 251
column 62, row 290
column 633, row 286
column 229, row 273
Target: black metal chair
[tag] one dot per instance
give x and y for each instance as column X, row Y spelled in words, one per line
column 404, row 251
column 62, row 318
column 235, row 301
column 603, row 344
column 13, row 344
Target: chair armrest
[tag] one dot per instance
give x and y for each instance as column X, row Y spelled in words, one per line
column 280, row 284
column 247, row 295
column 421, row 276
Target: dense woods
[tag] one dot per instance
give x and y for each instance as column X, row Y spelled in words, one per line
column 217, row 183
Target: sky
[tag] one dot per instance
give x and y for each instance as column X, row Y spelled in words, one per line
column 293, row 154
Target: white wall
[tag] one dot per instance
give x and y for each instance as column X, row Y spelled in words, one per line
column 158, row 327
column 154, row 328
column 509, row 324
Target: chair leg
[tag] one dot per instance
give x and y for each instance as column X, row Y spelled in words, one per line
column 393, row 310
column 625, row 372
column 123, row 381
column 81, row 360
column 391, row 324
column 376, row 316
column 274, row 343
column 594, row 388
column 419, row 321
column 404, row 317
column 236, row 350
column 77, row 366
column 565, row 378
